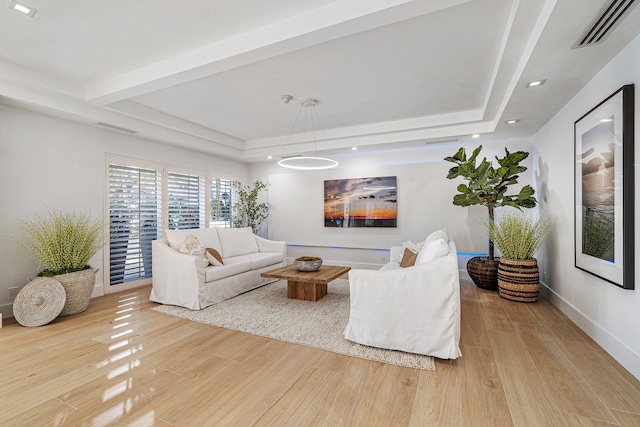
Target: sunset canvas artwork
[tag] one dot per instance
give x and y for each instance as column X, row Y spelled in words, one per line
column 361, row 202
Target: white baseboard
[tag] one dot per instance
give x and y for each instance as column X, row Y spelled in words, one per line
column 464, row 275
column 623, row 354
column 98, row 290
column 363, row 265
column 6, row 310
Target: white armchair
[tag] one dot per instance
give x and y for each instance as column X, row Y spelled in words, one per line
column 414, row 309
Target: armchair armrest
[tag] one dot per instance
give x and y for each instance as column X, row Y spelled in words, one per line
column 177, row 278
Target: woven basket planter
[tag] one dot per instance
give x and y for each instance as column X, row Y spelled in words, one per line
column 484, row 272
column 519, row 279
column 78, row 286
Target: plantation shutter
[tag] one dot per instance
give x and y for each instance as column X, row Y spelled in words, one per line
column 186, row 201
column 221, row 202
column 134, row 221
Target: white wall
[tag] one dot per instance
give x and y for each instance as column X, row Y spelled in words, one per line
column 47, row 162
column 424, row 203
column 609, row 315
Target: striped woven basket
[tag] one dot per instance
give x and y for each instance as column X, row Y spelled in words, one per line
column 519, row 279
column 79, row 286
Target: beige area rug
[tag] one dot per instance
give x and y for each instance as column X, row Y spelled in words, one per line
column 268, row 312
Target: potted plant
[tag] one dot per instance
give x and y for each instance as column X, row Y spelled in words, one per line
column 247, row 211
column 63, row 243
column 487, row 186
column 518, row 237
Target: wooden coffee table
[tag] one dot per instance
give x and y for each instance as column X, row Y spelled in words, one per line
column 306, row 285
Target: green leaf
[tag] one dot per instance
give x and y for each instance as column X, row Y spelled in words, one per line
column 467, row 169
column 517, row 157
column 460, row 156
column 526, row 192
column 453, row 172
column 463, row 188
column 475, row 154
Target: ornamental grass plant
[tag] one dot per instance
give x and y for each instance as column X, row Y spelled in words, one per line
column 519, row 236
column 63, row 242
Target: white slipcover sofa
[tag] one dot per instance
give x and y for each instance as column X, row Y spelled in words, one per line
column 183, row 280
column 414, row 309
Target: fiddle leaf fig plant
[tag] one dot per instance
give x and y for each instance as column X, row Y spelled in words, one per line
column 487, row 185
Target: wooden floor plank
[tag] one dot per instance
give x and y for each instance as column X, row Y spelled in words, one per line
column 529, row 402
column 388, row 398
column 494, row 314
column 316, row 399
column 626, row 419
column 480, row 381
column 563, row 381
column 438, row 400
column 51, row 412
column 573, row 420
column 519, row 312
column 472, row 326
column 614, row 390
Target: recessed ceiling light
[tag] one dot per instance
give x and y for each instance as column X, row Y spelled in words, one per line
column 22, row 8
column 512, row 121
column 606, row 120
column 475, row 135
column 354, row 148
column 536, row 83
column 269, row 157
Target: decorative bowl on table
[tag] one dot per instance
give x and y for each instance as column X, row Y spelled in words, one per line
column 307, row 263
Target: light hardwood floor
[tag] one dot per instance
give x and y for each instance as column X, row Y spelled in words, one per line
column 119, row 363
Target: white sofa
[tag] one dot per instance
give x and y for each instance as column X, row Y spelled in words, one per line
column 183, row 280
column 414, row 309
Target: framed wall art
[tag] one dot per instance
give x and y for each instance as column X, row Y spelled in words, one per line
column 604, row 189
column 361, row 202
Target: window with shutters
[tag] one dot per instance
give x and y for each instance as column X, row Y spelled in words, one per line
column 134, row 221
column 144, row 198
column 221, row 202
column 186, row 201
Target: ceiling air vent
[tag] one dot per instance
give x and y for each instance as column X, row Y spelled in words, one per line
column 441, row 141
column 604, row 23
column 114, row 127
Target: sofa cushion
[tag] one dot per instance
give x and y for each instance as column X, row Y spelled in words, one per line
column 257, row 260
column 207, row 236
column 265, row 259
column 237, row 241
column 438, row 234
column 408, row 258
column 434, row 249
column 193, row 246
column 227, row 270
column 214, row 257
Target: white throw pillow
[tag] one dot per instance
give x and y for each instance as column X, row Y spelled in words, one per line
column 412, row 246
column 207, row 236
column 192, row 246
column 438, row 234
column 237, row 241
column 432, row 250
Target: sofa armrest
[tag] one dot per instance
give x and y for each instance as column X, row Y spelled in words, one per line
column 178, row 278
column 265, row 245
column 395, row 254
